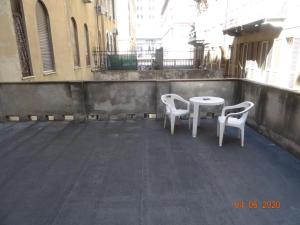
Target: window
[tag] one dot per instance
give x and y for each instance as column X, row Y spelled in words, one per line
column 21, row 37
column 74, row 38
column 244, row 55
column 263, row 54
column 87, row 45
column 107, row 42
column 45, row 37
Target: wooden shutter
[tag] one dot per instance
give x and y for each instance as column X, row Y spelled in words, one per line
column 45, row 37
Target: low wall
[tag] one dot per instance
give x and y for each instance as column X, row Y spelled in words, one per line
column 105, row 99
column 124, row 75
column 276, row 113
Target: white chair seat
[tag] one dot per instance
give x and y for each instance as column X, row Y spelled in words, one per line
column 231, row 121
column 180, row 112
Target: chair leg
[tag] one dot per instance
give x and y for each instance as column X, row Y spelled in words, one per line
column 218, row 129
column 221, row 133
column 239, row 133
column 172, row 123
column 242, row 136
column 190, row 122
column 165, row 121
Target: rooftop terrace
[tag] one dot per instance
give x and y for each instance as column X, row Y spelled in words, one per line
column 135, row 172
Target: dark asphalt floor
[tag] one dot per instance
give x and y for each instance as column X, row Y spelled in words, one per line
column 136, row 173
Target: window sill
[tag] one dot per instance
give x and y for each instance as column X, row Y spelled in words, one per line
column 28, row 77
column 47, row 73
column 77, row 68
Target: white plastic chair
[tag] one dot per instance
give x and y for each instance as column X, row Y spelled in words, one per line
column 172, row 112
column 236, row 119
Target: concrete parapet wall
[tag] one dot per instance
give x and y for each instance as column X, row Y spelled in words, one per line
column 276, row 113
column 103, row 99
column 124, row 75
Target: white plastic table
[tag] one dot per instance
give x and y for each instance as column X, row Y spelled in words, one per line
column 205, row 101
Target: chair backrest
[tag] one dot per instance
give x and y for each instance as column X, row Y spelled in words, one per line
column 169, row 100
column 247, row 105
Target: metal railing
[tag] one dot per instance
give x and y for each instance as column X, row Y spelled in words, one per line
column 142, row 60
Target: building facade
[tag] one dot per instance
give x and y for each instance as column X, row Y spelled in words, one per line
column 258, row 39
column 177, row 19
column 148, row 37
column 44, row 40
column 126, row 24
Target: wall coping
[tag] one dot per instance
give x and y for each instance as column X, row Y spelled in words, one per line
column 153, row 80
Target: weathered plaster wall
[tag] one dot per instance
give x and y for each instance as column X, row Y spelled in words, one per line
column 156, row 75
column 105, row 99
column 276, row 113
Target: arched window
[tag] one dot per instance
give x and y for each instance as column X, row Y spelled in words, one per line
column 21, row 36
column 74, row 38
column 87, row 41
column 45, row 37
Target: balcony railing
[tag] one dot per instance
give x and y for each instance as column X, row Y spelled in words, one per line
column 143, row 60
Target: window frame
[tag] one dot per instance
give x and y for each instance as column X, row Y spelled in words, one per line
column 23, row 51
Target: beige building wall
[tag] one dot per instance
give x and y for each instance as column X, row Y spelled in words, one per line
column 60, row 14
column 126, row 23
column 261, row 40
column 10, row 69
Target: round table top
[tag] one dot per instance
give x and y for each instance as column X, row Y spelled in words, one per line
column 207, row 100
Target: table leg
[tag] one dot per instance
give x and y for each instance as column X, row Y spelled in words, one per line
column 195, row 120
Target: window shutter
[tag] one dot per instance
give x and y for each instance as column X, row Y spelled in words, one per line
column 21, row 37
column 45, row 37
column 22, row 46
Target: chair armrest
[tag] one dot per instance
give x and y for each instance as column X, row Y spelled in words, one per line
column 236, row 114
column 225, row 108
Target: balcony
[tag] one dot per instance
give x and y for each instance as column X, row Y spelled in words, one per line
column 256, row 13
column 119, row 166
